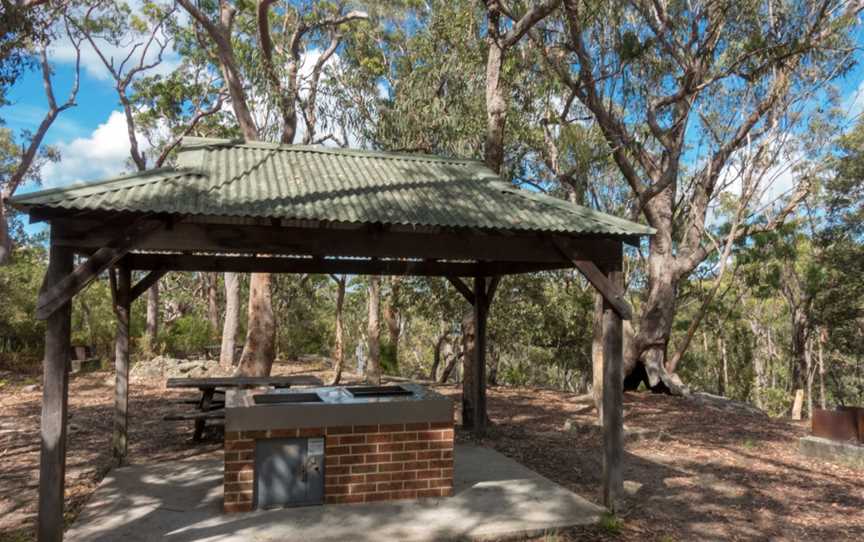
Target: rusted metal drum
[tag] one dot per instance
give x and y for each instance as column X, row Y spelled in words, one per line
column 859, row 415
column 839, row 425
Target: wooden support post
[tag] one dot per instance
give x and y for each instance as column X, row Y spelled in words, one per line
column 55, row 394
column 613, row 394
column 122, row 305
column 481, row 313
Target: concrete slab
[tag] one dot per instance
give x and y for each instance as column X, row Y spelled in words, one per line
column 831, row 450
column 494, row 498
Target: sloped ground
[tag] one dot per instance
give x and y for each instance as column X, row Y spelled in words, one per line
column 700, row 474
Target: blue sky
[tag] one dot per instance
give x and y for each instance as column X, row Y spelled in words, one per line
column 92, row 138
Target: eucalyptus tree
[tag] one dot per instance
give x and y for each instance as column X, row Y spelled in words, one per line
column 28, row 29
column 840, row 306
column 688, row 94
column 274, row 35
column 168, row 108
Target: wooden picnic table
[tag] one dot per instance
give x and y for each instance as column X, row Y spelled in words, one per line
column 210, row 409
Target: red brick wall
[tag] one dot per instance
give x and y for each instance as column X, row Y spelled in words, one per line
column 362, row 463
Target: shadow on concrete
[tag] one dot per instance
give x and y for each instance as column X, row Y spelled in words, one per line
column 182, row 500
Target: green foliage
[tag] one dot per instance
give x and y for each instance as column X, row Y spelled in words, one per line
column 19, row 285
column 776, row 401
column 188, row 336
column 389, row 363
column 611, row 524
column 22, row 29
column 93, row 321
column 412, row 77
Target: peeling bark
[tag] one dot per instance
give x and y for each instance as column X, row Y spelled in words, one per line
column 259, row 350
column 152, row 332
column 338, row 340
column 373, row 330
column 232, row 319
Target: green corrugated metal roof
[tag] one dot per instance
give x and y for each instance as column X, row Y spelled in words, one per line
column 225, row 178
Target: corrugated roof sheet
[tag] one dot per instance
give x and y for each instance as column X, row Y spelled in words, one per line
column 224, row 178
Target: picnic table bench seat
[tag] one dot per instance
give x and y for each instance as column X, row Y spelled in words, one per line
column 210, row 409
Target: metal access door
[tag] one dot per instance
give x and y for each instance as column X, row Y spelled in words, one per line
column 289, row 472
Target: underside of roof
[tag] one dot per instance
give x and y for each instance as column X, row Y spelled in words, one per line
column 292, row 182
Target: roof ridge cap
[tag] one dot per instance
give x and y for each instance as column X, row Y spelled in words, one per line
column 190, row 143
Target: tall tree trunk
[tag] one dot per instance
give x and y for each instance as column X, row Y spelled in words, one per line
column 5, row 237
column 597, row 356
column 808, row 355
column 496, row 104
column 391, row 318
column 645, row 356
column 259, row 350
column 437, row 352
column 800, row 334
column 152, row 332
column 494, row 360
column 468, row 344
column 232, row 319
column 213, row 301
column 759, row 357
column 451, row 364
column 722, row 373
column 338, row 342
column 822, row 339
column 771, row 357
column 373, row 331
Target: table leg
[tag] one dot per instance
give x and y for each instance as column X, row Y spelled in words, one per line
column 203, row 406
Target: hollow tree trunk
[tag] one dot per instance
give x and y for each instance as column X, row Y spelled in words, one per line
column 645, row 356
column 260, row 348
column 338, row 341
column 373, row 331
column 232, row 319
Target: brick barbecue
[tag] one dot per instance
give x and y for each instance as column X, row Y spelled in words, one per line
column 336, row 445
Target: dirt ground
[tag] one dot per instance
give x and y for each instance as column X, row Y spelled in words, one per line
column 699, row 474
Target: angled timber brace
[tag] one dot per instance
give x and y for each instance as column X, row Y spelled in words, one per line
column 468, row 293
column 54, row 296
column 610, row 292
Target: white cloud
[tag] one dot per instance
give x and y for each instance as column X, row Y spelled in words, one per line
column 102, row 154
